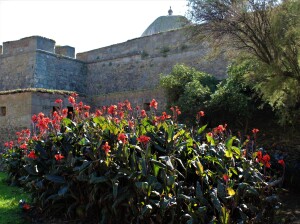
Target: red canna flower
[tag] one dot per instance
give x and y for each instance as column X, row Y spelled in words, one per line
column 86, row 114
column 122, row 137
column 266, row 160
column 259, row 156
column 153, row 104
column 106, row 148
column 34, row 118
column 225, row 178
column 58, row 101
column 74, row 95
column 281, row 162
column 111, row 109
column 72, row 100
column 26, row 206
column 65, row 112
column 220, row 128
column 255, row 130
column 143, row 113
column 210, row 134
column 178, row 111
column 143, row 139
column 32, row 155
column 131, row 124
column 201, row 113
column 86, row 107
column 98, row 113
column 121, row 114
column 23, row 146
column 127, row 104
column 59, row 157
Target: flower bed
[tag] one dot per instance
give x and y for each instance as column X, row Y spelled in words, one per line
column 125, row 165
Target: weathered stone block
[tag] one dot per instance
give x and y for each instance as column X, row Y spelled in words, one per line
column 65, row 51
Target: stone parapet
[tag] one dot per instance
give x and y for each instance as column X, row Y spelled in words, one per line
column 28, row 44
column 67, row 51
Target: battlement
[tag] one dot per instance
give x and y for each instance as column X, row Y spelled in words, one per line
column 67, row 51
column 28, row 44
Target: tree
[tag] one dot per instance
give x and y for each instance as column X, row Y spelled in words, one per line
column 188, row 88
column 265, row 31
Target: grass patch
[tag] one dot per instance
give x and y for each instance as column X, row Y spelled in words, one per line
column 10, row 211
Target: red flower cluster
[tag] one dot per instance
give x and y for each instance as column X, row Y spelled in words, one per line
column 143, row 113
column 220, row 128
column 59, row 157
column 9, row 144
column 263, row 159
column 225, row 178
column 255, row 130
column 122, row 137
column 106, row 148
column 153, row 104
column 281, row 162
column 143, row 139
column 32, row 155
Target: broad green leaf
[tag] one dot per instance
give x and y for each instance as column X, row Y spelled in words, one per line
column 229, row 142
column 199, row 168
column 95, row 180
column 228, row 153
column 200, row 130
column 62, row 191
column 84, row 141
column 214, row 199
column 170, row 133
column 210, row 139
column 181, row 132
column 55, row 179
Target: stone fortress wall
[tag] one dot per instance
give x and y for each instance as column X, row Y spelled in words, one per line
column 104, row 76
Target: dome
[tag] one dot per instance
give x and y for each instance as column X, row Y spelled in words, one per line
column 166, row 23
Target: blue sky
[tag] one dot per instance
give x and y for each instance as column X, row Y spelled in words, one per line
column 83, row 24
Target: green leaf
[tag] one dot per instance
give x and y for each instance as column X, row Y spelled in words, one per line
column 62, row 191
column 214, row 199
column 170, row 133
column 228, row 153
column 200, row 130
column 229, row 142
column 55, row 179
column 199, row 168
column 115, row 189
column 210, row 139
column 144, row 186
column 84, row 141
column 96, row 180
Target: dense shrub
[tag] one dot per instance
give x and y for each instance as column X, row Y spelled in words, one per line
column 121, row 165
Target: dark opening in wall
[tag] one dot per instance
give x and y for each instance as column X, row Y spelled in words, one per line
column 147, row 106
column 2, row 111
column 70, row 113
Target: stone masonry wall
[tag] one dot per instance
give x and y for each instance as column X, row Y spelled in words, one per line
column 15, row 114
column 136, row 65
column 16, row 71
column 57, row 72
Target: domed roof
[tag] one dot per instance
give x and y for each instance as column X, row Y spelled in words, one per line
column 166, row 23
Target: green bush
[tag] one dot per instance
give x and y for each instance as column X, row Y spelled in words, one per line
column 121, row 165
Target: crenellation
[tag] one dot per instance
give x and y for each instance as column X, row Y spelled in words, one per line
column 28, row 44
column 67, row 51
